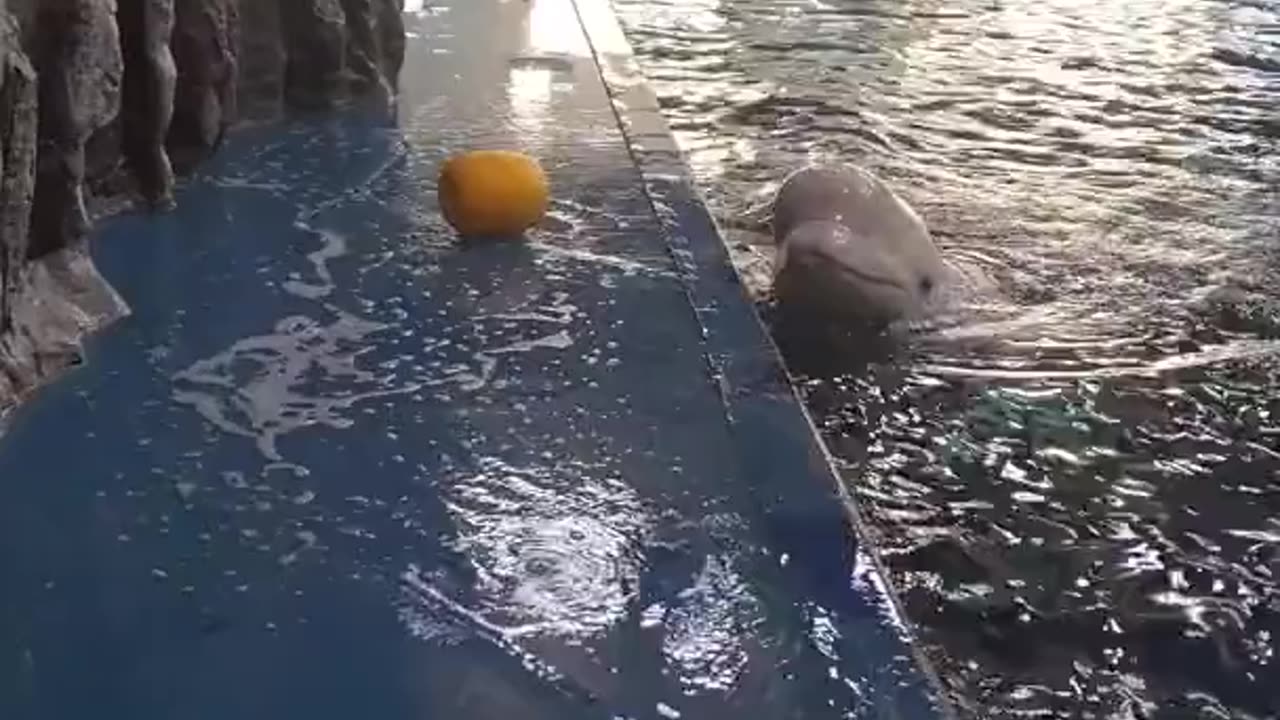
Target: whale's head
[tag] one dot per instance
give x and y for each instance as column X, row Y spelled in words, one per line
column 850, row 249
column 826, row 268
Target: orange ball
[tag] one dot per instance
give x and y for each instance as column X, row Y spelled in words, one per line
column 492, row 192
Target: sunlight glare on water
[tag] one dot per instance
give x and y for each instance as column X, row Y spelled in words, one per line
column 1074, row 480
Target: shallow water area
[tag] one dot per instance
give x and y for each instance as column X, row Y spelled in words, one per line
column 1076, row 476
column 337, row 464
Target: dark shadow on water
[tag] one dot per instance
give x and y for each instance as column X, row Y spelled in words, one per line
column 822, row 348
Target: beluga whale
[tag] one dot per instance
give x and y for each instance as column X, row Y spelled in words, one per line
column 850, row 255
column 850, row 251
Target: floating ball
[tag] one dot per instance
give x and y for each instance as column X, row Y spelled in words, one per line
column 492, row 193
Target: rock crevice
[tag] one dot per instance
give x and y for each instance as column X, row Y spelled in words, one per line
column 103, row 100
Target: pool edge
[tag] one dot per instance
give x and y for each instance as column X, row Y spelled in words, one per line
column 700, row 250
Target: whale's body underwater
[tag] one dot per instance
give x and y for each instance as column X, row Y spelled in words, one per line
column 850, row 250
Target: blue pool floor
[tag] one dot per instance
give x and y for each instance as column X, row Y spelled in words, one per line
column 337, row 465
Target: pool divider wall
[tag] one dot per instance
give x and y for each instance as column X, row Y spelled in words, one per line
column 100, row 102
column 776, row 435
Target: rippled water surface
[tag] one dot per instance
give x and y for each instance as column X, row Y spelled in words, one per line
column 1077, row 484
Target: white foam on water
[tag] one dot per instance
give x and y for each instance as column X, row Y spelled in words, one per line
column 706, row 632
column 334, row 246
column 273, row 398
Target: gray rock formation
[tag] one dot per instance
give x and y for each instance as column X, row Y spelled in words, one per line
column 76, row 49
column 262, row 59
column 150, row 77
column 17, row 165
column 375, row 48
column 63, row 298
column 315, row 50
column 104, row 99
column 204, row 47
column 337, row 48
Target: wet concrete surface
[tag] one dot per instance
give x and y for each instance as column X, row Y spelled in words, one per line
column 337, row 465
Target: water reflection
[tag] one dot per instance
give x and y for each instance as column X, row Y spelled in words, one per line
column 710, row 629
column 551, row 27
column 267, row 386
column 546, row 62
column 554, row 550
column 1074, row 479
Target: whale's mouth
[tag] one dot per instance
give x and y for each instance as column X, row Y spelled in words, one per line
column 869, row 278
column 857, row 274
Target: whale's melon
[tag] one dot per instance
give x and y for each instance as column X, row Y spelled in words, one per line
column 492, row 192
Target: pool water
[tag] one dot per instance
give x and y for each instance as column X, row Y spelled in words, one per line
column 1076, row 482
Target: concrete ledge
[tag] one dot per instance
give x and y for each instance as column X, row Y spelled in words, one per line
column 776, row 436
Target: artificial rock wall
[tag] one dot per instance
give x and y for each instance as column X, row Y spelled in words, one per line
column 103, row 100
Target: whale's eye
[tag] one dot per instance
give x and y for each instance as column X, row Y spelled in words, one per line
column 926, row 285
